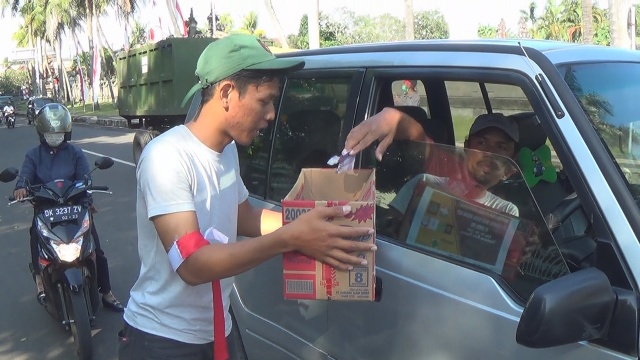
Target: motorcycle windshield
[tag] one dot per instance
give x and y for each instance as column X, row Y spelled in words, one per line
column 470, row 206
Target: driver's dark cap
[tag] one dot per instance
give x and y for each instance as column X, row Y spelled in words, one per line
column 496, row 120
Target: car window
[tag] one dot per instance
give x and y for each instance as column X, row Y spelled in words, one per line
column 467, row 102
column 537, row 187
column 308, row 129
column 443, row 208
column 409, row 93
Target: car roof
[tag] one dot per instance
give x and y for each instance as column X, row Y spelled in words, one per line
column 557, row 52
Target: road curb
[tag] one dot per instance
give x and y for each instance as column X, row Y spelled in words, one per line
column 114, row 121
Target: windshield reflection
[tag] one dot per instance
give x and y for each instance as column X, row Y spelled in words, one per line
column 608, row 94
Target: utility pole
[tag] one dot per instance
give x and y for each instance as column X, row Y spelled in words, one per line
column 314, row 25
column 623, row 23
column 409, row 33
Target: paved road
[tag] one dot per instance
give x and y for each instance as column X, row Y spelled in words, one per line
column 26, row 329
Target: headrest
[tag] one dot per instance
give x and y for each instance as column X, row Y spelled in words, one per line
column 433, row 128
column 532, row 134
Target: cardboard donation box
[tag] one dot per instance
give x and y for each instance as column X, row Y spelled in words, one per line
column 307, row 278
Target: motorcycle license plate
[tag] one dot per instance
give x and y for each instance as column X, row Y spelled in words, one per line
column 63, row 213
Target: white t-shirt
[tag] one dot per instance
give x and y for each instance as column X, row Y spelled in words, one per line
column 402, row 199
column 176, row 172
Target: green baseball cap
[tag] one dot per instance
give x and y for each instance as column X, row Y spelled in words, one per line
column 225, row 57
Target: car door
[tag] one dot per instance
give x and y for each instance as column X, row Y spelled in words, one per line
column 440, row 305
column 316, row 110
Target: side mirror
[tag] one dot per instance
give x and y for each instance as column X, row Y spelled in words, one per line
column 104, row 162
column 576, row 307
column 9, row 174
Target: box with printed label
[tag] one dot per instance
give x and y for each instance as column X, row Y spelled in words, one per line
column 307, row 278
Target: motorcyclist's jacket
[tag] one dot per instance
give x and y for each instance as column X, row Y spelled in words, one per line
column 42, row 165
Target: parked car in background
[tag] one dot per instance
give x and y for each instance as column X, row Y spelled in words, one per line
column 34, row 105
column 4, row 100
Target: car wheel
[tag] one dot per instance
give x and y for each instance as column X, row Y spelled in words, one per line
column 140, row 140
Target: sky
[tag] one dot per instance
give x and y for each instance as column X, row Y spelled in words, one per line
column 462, row 24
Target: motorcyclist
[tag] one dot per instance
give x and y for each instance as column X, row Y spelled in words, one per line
column 8, row 109
column 55, row 158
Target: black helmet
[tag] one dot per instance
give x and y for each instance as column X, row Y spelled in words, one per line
column 53, row 124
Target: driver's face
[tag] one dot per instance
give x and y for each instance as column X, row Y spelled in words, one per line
column 484, row 167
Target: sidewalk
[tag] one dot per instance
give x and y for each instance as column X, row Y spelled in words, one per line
column 115, row 121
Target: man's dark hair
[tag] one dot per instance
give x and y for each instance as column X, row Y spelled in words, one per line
column 242, row 80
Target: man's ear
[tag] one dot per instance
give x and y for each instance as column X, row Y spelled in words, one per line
column 225, row 89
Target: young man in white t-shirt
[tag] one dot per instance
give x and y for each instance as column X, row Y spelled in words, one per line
column 192, row 203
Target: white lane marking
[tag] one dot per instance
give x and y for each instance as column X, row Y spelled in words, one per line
column 114, row 159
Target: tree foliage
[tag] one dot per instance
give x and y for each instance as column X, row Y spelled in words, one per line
column 430, row 24
column 344, row 27
column 12, row 80
column 487, row 31
column 563, row 21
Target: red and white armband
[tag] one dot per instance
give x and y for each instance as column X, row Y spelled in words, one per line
column 188, row 244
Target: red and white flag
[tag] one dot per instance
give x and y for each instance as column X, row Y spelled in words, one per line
column 155, row 30
column 97, row 68
column 182, row 26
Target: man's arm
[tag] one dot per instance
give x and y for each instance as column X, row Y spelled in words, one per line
column 387, row 125
column 254, row 222
column 311, row 234
column 27, row 172
column 82, row 165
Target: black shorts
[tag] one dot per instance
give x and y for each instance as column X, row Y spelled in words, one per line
column 135, row 344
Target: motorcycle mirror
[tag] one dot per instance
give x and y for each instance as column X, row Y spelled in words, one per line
column 9, row 174
column 104, row 162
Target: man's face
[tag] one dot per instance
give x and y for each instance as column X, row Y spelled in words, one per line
column 251, row 112
column 483, row 167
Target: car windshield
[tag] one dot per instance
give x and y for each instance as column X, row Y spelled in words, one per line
column 607, row 92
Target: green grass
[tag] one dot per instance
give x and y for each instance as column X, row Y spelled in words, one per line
column 106, row 109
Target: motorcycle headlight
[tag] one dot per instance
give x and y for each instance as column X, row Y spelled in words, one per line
column 67, row 252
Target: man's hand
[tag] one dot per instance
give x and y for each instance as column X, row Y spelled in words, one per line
column 380, row 127
column 387, row 125
column 20, row 194
column 314, row 235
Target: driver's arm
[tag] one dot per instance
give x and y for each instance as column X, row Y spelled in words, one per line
column 81, row 165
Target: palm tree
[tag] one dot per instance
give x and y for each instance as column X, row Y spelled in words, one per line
column 250, row 22
column 138, row 34
column 587, row 21
column 31, row 32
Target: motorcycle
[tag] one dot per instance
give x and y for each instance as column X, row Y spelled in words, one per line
column 62, row 219
column 10, row 119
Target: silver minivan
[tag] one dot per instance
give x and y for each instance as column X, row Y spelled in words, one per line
column 572, row 293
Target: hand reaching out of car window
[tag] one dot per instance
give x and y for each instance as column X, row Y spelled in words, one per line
column 387, row 125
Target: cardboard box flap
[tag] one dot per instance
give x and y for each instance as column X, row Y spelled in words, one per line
column 327, row 185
